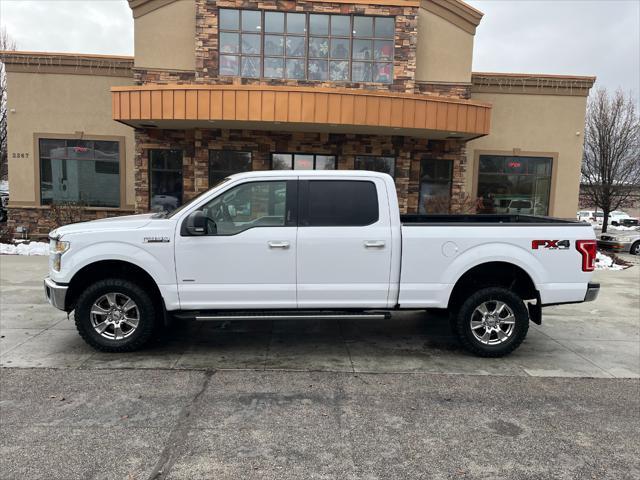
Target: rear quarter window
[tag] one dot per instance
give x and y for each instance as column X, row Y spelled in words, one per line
column 340, row 203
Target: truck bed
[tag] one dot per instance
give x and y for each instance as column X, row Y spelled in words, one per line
column 484, row 220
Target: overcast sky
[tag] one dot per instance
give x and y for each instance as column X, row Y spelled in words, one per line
column 595, row 37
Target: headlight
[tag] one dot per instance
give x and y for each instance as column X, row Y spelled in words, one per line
column 58, row 246
column 56, row 249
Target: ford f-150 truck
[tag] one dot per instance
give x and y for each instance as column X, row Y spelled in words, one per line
column 296, row 244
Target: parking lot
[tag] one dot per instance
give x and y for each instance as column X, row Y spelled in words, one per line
column 600, row 339
column 344, row 399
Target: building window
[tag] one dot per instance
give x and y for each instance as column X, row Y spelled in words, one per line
column 80, row 171
column 435, row 185
column 301, row 46
column 376, row 164
column 508, row 184
column 165, row 175
column 302, row 161
column 223, row 163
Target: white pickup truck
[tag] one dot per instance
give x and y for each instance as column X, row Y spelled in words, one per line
column 297, row 244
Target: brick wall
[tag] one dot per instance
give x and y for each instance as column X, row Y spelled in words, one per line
column 38, row 221
column 197, row 143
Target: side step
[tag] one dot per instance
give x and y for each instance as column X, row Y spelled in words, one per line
column 283, row 315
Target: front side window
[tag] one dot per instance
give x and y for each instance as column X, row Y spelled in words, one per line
column 339, row 203
column 223, row 163
column 165, row 176
column 79, row 171
column 300, row 46
column 249, row 205
column 302, row 161
column 514, row 185
column 376, row 164
column 435, row 185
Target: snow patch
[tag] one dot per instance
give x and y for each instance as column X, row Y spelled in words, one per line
column 31, row 248
column 605, row 262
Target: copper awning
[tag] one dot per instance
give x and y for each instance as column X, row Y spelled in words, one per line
column 299, row 108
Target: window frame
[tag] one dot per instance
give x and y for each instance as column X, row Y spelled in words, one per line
column 222, row 151
column 307, row 36
column 150, row 170
column 37, row 164
column 420, row 182
column 552, row 157
column 303, row 202
column 291, row 209
column 395, row 163
column 293, row 161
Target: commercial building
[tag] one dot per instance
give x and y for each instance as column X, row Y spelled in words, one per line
column 221, row 87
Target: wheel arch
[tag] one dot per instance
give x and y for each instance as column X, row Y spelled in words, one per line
column 493, row 274
column 102, row 269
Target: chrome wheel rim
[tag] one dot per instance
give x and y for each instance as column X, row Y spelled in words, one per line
column 493, row 322
column 115, row 316
column 636, row 249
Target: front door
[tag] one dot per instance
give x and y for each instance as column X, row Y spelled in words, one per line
column 344, row 244
column 247, row 258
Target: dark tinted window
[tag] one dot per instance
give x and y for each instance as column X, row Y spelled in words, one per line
column 223, row 163
column 341, row 203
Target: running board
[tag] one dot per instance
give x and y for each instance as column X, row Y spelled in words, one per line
column 206, row 317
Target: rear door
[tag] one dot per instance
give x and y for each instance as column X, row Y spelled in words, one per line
column 344, row 243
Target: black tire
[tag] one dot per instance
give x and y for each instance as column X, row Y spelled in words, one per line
column 147, row 315
column 635, row 248
column 462, row 322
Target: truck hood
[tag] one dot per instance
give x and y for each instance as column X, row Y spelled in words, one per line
column 128, row 222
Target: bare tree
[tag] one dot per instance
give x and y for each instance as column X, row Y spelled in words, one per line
column 5, row 44
column 611, row 162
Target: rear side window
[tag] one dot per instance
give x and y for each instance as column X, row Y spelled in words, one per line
column 339, row 203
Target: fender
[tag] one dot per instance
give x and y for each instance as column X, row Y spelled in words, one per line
column 163, row 273
column 493, row 252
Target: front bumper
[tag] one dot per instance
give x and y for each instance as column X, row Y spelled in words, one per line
column 593, row 289
column 56, row 293
column 614, row 245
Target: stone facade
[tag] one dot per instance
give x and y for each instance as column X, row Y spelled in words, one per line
column 196, row 144
column 206, row 45
column 39, row 221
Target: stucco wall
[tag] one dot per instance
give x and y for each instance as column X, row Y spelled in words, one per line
column 165, row 38
column 59, row 104
column 537, row 123
column 444, row 52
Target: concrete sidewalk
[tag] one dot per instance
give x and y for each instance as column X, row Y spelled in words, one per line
column 598, row 339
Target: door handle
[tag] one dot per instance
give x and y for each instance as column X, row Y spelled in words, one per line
column 283, row 245
column 374, row 244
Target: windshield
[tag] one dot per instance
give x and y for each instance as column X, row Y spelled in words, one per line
column 185, row 205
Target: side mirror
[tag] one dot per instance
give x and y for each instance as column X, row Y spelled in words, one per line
column 196, row 223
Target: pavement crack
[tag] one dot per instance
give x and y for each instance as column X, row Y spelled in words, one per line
column 178, row 434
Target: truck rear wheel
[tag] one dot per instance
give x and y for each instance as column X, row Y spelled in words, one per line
column 492, row 322
column 115, row 315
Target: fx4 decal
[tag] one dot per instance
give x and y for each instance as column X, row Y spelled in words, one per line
column 551, row 244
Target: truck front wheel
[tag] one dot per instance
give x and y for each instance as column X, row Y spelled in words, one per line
column 115, row 315
column 492, row 322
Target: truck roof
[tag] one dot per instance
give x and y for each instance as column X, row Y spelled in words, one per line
column 310, row 173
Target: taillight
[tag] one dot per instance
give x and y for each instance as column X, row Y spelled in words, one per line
column 587, row 249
